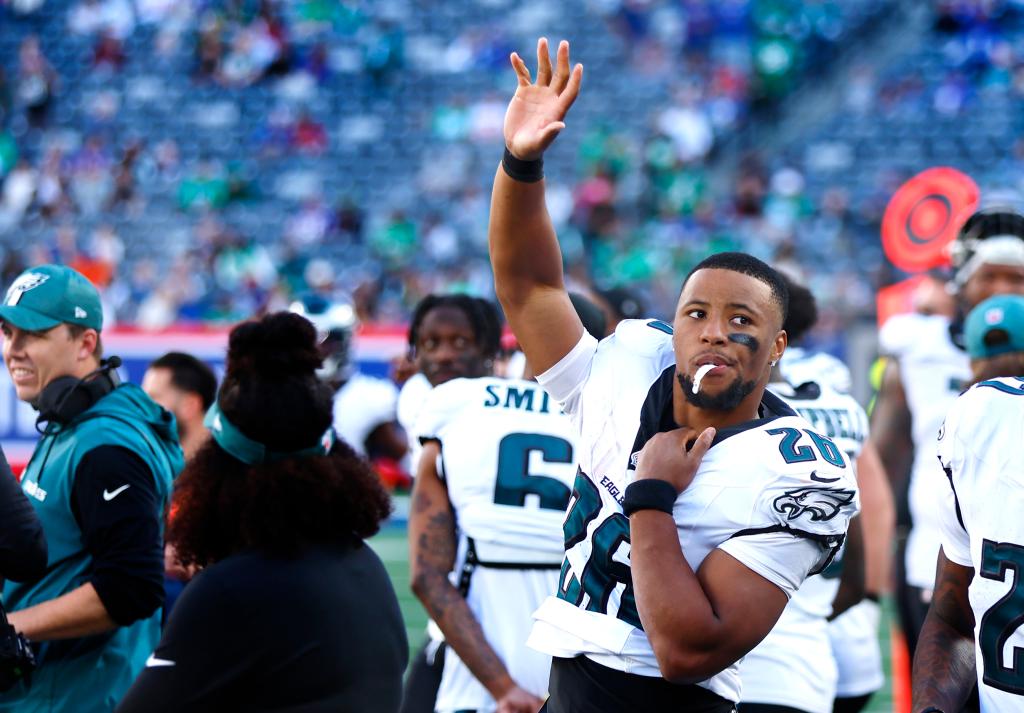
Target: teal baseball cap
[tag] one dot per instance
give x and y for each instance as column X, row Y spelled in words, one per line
column 996, row 326
column 43, row 297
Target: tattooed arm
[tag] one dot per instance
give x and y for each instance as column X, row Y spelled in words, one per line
column 944, row 669
column 432, row 543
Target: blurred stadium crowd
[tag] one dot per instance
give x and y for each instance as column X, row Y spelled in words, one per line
column 207, row 160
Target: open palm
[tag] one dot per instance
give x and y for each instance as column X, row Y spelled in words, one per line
column 534, row 116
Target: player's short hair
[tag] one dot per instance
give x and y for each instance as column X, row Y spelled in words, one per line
column 483, row 317
column 271, row 393
column 752, row 267
column 803, row 310
column 189, row 374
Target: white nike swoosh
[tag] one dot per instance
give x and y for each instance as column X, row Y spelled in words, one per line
column 109, row 495
column 153, row 662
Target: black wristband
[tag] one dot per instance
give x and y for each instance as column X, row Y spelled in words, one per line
column 520, row 170
column 873, row 597
column 652, row 494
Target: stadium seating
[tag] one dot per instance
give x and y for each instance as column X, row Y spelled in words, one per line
column 409, row 98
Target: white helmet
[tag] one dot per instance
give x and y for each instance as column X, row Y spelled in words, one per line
column 335, row 323
column 993, row 234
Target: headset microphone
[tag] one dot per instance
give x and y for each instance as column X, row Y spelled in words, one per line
column 66, row 397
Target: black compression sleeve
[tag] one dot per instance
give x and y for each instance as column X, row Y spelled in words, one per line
column 115, row 502
column 22, row 545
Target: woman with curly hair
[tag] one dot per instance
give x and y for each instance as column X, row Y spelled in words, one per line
column 292, row 611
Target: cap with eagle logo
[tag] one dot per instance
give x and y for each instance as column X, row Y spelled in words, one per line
column 42, row 297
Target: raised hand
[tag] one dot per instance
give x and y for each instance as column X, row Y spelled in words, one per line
column 534, row 116
column 670, row 456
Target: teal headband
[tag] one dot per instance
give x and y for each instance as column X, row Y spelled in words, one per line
column 251, row 452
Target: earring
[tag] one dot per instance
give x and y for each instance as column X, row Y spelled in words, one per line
column 773, row 362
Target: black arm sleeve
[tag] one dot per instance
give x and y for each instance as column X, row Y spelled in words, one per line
column 22, row 545
column 115, row 502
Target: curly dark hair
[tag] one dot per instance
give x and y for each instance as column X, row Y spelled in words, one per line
column 271, row 393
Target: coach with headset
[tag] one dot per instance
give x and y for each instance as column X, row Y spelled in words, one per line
column 99, row 479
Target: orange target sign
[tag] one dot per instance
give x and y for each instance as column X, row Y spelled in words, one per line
column 924, row 216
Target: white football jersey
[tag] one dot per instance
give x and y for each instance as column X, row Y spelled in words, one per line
column 981, row 501
column 794, row 665
column 934, row 371
column 410, row 400
column 508, row 460
column 772, row 493
column 800, row 366
column 362, row 404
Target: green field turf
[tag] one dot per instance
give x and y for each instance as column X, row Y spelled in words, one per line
column 392, row 548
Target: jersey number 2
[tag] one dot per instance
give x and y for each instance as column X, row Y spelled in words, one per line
column 792, row 452
column 1004, row 618
column 515, row 482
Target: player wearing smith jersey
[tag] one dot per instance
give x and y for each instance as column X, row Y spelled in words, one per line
column 796, row 668
column 667, row 543
column 494, row 480
column 926, row 370
column 982, row 561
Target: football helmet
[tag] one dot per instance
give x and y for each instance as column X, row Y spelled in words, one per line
column 335, row 323
column 992, row 234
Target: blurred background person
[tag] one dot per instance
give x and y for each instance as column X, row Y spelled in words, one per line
column 185, row 386
column 365, row 407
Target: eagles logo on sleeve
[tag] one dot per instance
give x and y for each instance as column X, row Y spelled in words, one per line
column 820, row 503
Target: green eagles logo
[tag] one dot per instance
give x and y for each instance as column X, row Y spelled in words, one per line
column 821, row 503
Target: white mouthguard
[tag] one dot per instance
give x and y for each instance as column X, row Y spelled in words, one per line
column 699, row 376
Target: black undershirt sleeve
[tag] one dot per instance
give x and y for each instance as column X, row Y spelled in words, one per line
column 115, row 503
column 22, row 545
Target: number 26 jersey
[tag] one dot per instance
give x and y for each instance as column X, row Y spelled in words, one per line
column 981, row 510
column 771, row 493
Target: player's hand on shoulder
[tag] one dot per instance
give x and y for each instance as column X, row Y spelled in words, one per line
column 674, row 456
column 534, row 116
column 516, row 700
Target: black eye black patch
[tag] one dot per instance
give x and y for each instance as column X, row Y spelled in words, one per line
column 746, row 340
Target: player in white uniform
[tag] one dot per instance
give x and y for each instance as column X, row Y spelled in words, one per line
column 926, row 371
column 497, row 469
column 980, row 520
column 973, row 632
column 450, row 336
column 498, row 460
column 667, row 543
column 798, row 665
column 364, row 406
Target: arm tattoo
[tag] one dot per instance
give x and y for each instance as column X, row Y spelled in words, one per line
column 434, row 556
column 944, row 670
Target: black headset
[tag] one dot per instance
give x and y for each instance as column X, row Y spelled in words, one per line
column 65, row 397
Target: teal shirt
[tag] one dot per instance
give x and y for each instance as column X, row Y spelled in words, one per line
column 91, row 673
